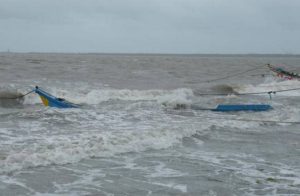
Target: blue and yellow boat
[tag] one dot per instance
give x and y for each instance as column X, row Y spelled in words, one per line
column 52, row 101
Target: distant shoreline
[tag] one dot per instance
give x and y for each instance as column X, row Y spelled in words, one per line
column 161, row 54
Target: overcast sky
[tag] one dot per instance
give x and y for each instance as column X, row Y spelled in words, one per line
column 150, row 26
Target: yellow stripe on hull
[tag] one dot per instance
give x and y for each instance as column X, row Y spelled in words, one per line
column 52, row 101
column 45, row 101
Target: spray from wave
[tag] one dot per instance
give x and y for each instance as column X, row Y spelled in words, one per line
column 224, row 89
column 10, row 98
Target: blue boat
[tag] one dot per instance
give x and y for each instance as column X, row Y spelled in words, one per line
column 52, row 101
column 249, row 107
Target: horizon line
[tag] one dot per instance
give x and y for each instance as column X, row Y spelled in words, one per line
column 153, row 53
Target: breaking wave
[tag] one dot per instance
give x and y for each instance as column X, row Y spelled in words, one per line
column 60, row 150
column 171, row 98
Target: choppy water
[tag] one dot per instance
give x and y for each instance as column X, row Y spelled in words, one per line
column 140, row 130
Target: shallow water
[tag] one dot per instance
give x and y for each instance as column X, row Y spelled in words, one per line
column 140, row 130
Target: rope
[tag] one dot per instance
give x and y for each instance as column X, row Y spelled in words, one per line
column 18, row 97
column 233, row 75
column 254, row 93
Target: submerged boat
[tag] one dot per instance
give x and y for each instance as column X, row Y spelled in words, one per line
column 52, row 101
column 236, row 108
column 243, row 107
column 282, row 73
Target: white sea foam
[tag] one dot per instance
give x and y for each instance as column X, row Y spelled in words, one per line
column 61, row 150
column 181, row 187
column 161, row 170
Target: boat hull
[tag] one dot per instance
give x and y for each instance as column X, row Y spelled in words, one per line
column 52, row 101
column 236, row 108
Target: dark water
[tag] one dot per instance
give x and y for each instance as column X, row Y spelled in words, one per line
column 140, row 130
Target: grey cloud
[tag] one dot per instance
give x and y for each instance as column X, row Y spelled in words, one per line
column 172, row 26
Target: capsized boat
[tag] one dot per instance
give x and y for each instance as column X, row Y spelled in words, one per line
column 52, row 101
column 282, row 73
column 243, row 107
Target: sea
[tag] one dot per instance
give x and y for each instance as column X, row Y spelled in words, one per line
column 145, row 125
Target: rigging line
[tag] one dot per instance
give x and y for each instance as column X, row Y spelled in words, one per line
column 262, row 74
column 18, row 97
column 233, row 75
column 254, row 93
column 273, row 85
